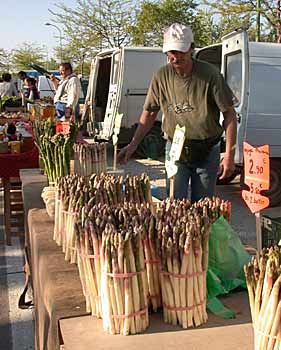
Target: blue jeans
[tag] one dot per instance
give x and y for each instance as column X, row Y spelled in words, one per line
column 202, row 175
column 60, row 108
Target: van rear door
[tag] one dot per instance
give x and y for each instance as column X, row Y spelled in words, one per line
column 235, row 69
column 88, row 112
column 114, row 95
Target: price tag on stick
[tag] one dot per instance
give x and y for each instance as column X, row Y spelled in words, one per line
column 175, row 153
column 256, row 161
column 116, row 131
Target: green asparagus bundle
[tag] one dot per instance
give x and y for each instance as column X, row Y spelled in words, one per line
column 182, row 241
column 263, row 276
column 90, row 158
column 55, row 150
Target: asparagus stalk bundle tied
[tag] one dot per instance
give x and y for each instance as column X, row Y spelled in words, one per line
column 182, row 241
column 90, row 158
column 122, row 218
column 263, row 277
column 124, row 302
column 55, row 150
column 76, row 195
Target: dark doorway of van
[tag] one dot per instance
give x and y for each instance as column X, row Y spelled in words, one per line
column 102, row 89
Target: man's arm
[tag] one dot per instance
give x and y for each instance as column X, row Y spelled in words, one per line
column 54, row 81
column 230, row 126
column 146, row 122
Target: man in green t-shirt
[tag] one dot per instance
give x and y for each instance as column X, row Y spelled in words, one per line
column 190, row 93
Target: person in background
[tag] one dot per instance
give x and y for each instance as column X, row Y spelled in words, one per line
column 11, row 132
column 68, row 91
column 7, row 87
column 33, row 93
column 191, row 93
column 22, row 88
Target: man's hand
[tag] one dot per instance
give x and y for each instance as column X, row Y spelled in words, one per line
column 52, row 77
column 125, row 154
column 227, row 167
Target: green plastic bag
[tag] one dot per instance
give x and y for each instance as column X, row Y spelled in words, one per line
column 227, row 257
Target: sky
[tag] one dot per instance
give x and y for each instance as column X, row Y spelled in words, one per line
column 23, row 21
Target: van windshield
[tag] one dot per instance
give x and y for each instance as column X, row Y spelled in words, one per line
column 233, row 75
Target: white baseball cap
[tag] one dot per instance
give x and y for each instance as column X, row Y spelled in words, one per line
column 177, row 37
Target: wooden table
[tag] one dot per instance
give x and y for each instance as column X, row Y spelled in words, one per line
column 84, row 333
column 56, row 283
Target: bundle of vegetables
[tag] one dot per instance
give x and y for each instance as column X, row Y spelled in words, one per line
column 90, row 158
column 99, row 221
column 182, row 241
column 111, row 189
column 55, row 150
column 71, row 194
column 75, row 192
column 215, row 207
column 124, row 304
column 263, row 276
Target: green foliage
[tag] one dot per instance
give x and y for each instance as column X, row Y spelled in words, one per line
column 244, row 13
column 5, row 61
column 27, row 54
column 92, row 25
column 154, row 16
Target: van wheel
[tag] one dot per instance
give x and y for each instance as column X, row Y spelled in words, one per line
column 274, row 192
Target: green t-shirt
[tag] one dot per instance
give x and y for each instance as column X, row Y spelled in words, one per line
column 194, row 102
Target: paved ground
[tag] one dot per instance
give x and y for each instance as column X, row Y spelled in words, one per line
column 16, row 326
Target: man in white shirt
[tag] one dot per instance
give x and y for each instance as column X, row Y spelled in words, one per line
column 7, row 87
column 68, row 91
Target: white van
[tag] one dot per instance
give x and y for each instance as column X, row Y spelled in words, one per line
column 45, row 87
column 120, row 78
column 253, row 72
column 118, row 82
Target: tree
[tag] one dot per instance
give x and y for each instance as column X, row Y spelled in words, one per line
column 153, row 17
column 27, row 54
column 249, row 12
column 91, row 26
column 5, row 61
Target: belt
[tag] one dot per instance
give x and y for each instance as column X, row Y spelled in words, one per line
column 211, row 141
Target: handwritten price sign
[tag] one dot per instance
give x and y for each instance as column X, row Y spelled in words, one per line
column 63, row 127
column 256, row 162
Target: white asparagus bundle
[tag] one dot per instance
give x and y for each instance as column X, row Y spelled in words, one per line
column 124, row 303
column 90, row 158
column 183, row 232
column 263, row 277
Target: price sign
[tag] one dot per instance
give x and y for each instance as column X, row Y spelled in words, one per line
column 117, row 127
column 171, row 168
column 178, row 141
column 63, row 128
column 256, row 165
column 256, row 162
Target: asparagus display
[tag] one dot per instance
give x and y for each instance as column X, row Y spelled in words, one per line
column 263, row 277
column 55, row 150
column 130, row 258
column 90, row 158
column 182, row 241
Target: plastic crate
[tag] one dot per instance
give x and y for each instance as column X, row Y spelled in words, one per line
column 271, row 231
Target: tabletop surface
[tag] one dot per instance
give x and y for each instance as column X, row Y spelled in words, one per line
column 85, row 332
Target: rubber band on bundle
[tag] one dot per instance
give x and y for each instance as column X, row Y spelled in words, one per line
column 138, row 313
column 124, row 275
column 183, row 308
column 178, row 275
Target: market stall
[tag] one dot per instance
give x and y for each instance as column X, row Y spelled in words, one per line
column 15, row 155
column 102, row 247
